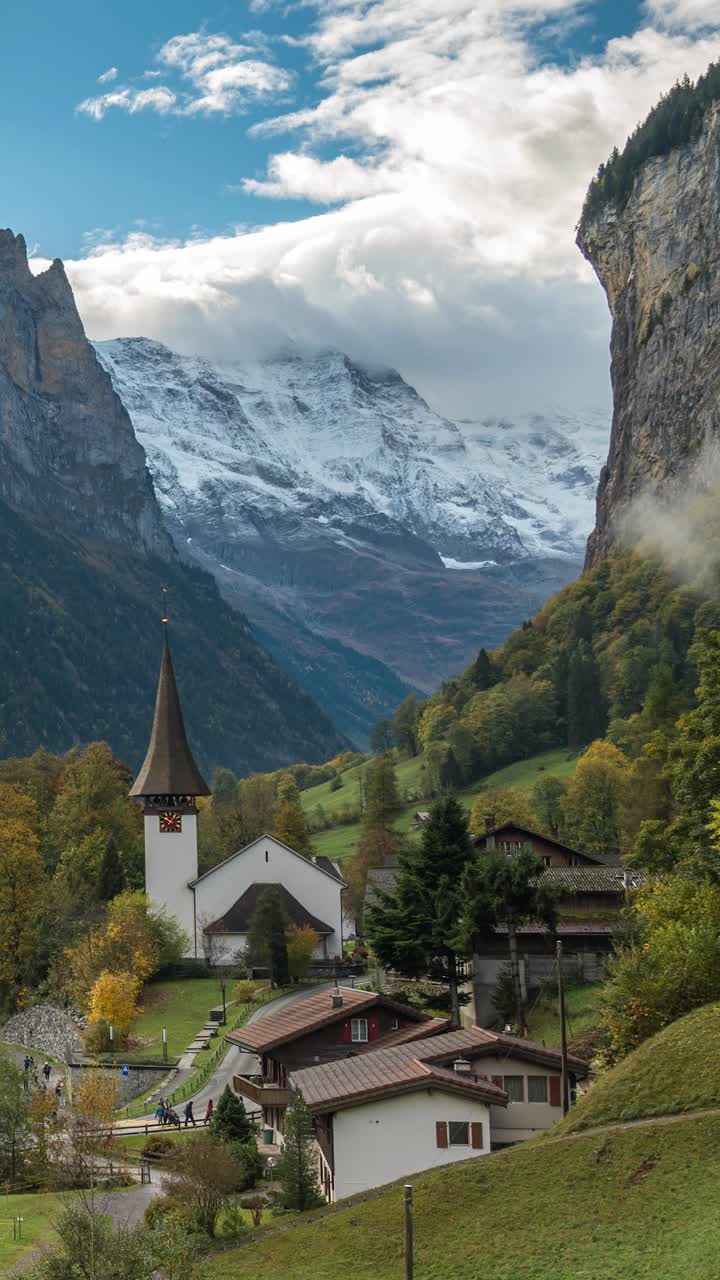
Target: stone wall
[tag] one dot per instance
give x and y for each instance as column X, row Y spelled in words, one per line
column 133, row 1085
column 47, row 1029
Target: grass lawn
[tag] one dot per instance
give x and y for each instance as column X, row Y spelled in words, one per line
column 183, row 1006
column 39, row 1213
column 634, row 1205
column 675, row 1071
column 339, row 842
column 581, row 1008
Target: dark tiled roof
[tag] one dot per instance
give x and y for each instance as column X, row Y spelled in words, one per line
column 425, row 1063
column 302, row 1016
column 168, row 768
column 606, row 879
column 238, row 917
column 326, row 865
column 538, row 835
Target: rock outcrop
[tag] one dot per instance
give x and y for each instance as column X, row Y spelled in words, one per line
column 67, row 447
column 46, row 1028
column 657, row 260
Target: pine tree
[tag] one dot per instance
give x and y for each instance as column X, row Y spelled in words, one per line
column 266, row 938
column 482, row 675
column 297, row 1167
column 111, row 880
column 586, row 707
column 382, row 800
column 414, row 929
column 230, row 1120
column 504, row 889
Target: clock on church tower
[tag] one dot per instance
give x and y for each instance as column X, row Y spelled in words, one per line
column 167, row 787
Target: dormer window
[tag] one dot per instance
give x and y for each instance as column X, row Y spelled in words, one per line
column 359, row 1030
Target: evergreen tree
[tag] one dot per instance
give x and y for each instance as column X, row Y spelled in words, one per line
column 297, row 1166
column 504, row 889
column 481, row 672
column 382, row 800
column 111, row 879
column 586, row 708
column 266, row 937
column 230, row 1120
column 414, row 929
column 405, row 725
column 450, row 772
column 382, row 737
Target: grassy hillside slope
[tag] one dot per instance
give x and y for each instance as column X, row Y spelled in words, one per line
column 340, row 842
column 677, row 1070
column 630, row 1204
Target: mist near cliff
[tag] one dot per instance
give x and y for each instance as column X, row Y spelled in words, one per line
column 679, row 523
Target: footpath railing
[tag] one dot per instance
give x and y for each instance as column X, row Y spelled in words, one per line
column 202, row 1074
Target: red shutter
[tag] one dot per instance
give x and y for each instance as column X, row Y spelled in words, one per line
column 476, row 1139
column 441, row 1136
column 554, row 1094
column 373, row 1029
column 346, row 1033
column 497, row 1080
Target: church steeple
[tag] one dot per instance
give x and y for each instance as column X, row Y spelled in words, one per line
column 169, row 771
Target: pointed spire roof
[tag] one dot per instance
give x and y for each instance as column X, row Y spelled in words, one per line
column 169, row 768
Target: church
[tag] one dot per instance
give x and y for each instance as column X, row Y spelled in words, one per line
column 215, row 907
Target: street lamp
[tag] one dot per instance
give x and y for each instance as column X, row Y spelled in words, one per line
column 222, row 988
column 110, row 1029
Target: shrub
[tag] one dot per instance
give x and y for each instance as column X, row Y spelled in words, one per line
column 164, row 1207
column 157, row 1146
column 245, row 991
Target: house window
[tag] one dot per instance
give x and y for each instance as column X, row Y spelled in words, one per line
column 458, row 1133
column 513, row 1086
column 358, row 1030
column 395, row 1025
column 546, row 861
column 537, row 1088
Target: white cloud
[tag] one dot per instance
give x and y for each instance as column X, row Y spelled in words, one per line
column 107, row 76
column 459, row 162
column 683, row 15
column 216, row 76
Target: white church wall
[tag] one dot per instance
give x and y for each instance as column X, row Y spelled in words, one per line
column 170, row 865
column 266, row 861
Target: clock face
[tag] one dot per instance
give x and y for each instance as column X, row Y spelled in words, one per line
column 170, row 821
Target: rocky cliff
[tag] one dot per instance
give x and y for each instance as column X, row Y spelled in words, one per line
column 657, row 260
column 68, row 451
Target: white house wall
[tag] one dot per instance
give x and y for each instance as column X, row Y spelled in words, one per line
column 267, row 861
column 393, row 1137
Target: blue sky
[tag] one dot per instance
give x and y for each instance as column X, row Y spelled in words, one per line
column 398, row 177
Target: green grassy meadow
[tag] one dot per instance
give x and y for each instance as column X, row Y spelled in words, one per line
column 182, row 1005
column 582, row 1011
column 632, row 1205
column 339, row 842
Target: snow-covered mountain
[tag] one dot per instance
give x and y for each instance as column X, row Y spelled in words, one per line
column 337, row 509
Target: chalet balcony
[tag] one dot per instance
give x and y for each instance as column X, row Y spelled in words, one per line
column 262, row 1092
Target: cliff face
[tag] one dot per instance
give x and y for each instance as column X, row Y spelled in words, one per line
column 68, row 452
column 657, row 261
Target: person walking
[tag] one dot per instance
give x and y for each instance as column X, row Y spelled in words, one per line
column 189, row 1114
column 160, row 1113
column 27, row 1063
column 208, row 1112
column 46, row 1072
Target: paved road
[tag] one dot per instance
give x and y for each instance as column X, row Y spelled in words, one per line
column 235, row 1062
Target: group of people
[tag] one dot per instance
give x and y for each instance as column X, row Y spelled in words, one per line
column 166, row 1114
column 31, row 1073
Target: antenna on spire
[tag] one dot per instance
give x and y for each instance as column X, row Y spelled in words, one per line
column 165, row 618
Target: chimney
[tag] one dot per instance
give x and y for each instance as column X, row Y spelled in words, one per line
column 336, row 1000
column 490, row 822
column 462, row 1066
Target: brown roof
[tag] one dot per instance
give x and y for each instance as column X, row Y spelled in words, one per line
column 168, row 768
column 604, row 879
column 303, row 1016
column 352, row 1080
column 539, row 835
column 426, row 1062
column 238, row 917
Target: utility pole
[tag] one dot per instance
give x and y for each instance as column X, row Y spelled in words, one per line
column 408, row 1232
column 564, row 1090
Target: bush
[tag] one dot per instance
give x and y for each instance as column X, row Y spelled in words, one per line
column 164, row 1207
column 157, row 1146
column 184, row 968
column 245, row 991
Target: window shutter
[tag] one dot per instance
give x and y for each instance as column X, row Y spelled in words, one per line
column 373, row 1029
column 497, row 1080
column 441, row 1133
column 554, row 1091
column 346, row 1032
column 476, row 1135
